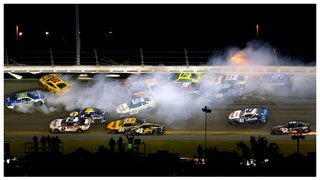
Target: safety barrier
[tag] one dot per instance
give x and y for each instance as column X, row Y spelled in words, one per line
column 158, row 69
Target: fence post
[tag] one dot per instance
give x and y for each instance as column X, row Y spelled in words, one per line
column 96, row 55
column 7, row 59
column 51, row 57
column 186, row 56
column 141, row 55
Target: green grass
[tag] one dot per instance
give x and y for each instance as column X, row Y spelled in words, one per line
column 185, row 148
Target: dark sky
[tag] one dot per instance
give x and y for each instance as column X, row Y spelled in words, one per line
column 284, row 26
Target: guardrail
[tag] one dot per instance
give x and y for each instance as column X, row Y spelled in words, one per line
column 158, row 69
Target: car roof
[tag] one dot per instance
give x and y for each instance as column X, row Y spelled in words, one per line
column 277, row 77
column 297, row 121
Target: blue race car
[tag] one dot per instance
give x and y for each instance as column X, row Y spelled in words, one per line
column 276, row 80
column 249, row 116
column 25, row 99
column 97, row 115
column 230, row 91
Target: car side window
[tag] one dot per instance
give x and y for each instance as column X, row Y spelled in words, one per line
column 23, row 100
column 50, row 84
column 291, row 125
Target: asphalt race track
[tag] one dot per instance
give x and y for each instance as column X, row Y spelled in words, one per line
column 299, row 104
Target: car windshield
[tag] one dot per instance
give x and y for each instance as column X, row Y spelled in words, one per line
column 241, row 78
column 32, row 95
column 64, row 122
column 61, row 85
column 139, row 121
column 194, row 76
column 252, row 111
column 136, row 101
column 99, row 111
column 258, row 111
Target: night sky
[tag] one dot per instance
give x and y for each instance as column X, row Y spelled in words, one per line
column 200, row 26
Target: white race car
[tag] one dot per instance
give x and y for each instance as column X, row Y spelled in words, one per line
column 231, row 79
column 135, row 105
column 251, row 115
column 70, row 124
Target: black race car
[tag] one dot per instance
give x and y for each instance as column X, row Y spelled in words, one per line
column 291, row 128
column 147, row 129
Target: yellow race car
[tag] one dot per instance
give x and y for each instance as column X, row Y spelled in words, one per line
column 188, row 76
column 120, row 126
column 54, row 83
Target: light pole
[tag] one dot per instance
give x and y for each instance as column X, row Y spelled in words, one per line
column 206, row 110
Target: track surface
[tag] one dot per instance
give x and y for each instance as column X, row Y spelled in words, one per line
column 299, row 104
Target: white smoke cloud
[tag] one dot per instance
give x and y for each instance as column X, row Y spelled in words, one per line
column 172, row 105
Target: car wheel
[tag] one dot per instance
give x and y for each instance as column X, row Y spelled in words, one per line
column 112, row 131
column 155, row 132
column 56, row 131
column 16, row 108
column 79, row 130
column 277, row 132
column 39, row 103
column 233, row 122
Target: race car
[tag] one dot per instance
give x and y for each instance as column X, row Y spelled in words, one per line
column 136, row 105
column 25, row 99
column 232, row 79
column 120, row 125
column 54, row 83
column 148, row 128
column 251, row 115
column 224, row 86
column 187, row 87
column 70, row 124
column 276, row 80
column 229, row 90
column 292, row 127
column 96, row 114
column 187, row 76
column 138, row 87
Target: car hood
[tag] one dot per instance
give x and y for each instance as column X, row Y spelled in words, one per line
column 277, row 127
column 235, row 114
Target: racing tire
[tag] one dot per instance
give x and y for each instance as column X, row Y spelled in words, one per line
column 233, row 123
column 39, row 103
column 79, row 131
column 277, row 132
column 56, row 131
column 16, row 108
column 112, row 131
column 155, row 132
